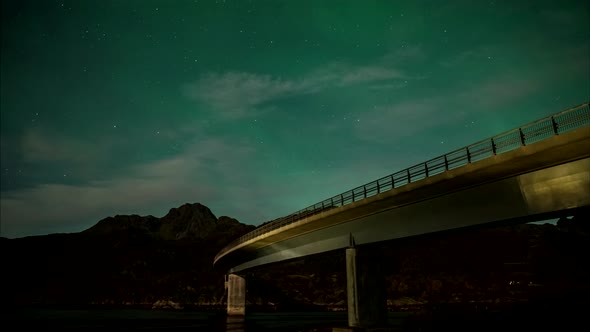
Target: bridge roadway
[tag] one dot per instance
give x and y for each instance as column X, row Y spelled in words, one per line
column 546, row 179
column 533, row 182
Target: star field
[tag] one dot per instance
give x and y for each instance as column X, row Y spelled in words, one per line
column 259, row 108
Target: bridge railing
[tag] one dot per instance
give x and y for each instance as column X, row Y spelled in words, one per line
column 559, row 123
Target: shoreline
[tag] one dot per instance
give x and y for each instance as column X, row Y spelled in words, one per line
column 471, row 306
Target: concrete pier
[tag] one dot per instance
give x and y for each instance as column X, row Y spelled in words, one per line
column 236, row 295
column 367, row 306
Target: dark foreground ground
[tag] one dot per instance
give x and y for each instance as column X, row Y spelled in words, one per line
column 522, row 317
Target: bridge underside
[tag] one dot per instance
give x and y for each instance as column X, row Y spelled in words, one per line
column 532, row 196
column 521, row 197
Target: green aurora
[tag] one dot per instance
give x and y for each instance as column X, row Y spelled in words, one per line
column 259, row 108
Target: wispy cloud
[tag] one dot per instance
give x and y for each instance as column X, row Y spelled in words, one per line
column 406, row 118
column 388, row 86
column 370, row 74
column 236, row 94
column 197, row 174
column 241, row 94
column 38, row 145
column 404, row 54
column 498, row 91
column 462, row 58
column 398, row 121
column 5, row 144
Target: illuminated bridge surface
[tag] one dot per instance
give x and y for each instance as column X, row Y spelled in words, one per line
column 537, row 171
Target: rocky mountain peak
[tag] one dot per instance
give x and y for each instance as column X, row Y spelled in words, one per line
column 188, row 221
column 194, row 211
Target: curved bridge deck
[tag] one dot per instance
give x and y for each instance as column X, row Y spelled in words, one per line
column 529, row 172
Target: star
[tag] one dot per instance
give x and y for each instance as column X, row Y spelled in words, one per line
column 215, row 91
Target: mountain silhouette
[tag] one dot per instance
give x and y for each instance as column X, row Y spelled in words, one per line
column 122, row 260
column 167, row 262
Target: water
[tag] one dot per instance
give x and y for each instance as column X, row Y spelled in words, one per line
column 162, row 320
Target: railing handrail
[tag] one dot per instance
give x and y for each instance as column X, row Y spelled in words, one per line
column 423, row 168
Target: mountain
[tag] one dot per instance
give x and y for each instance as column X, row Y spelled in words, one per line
column 189, row 221
column 122, row 260
column 152, row 262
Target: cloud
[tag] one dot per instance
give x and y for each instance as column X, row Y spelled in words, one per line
column 235, row 94
column 198, row 174
column 216, row 172
column 462, row 58
column 67, row 208
column 38, row 145
column 5, row 144
column 399, row 120
column 498, row 91
column 240, row 94
column 406, row 118
column 370, row 74
column 388, row 86
column 404, row 54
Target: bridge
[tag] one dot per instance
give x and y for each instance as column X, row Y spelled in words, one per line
column 537, row 171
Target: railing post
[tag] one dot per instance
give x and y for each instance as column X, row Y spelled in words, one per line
column 392, row 182
column 521, row 136
column 409, row 177
column 493, row 146
column 353, row 194
column 342, row 199
column 332, row 200
column 468, row 155
column 378, row 187
column 365, row 190
column 322, row 205
column 555, row 128
column 425, row 170
column 446, row 163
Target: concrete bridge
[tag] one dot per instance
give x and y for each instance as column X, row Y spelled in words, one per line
column 535, row 172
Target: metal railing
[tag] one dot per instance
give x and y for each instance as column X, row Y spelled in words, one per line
column 562, row 122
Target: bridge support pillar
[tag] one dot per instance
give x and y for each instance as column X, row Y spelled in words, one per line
column 236, row 295
column 367, row 306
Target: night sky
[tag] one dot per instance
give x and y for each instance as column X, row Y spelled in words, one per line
column 259, row 108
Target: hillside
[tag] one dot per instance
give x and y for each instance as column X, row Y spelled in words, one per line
column 167, row 262
column 122, row 260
